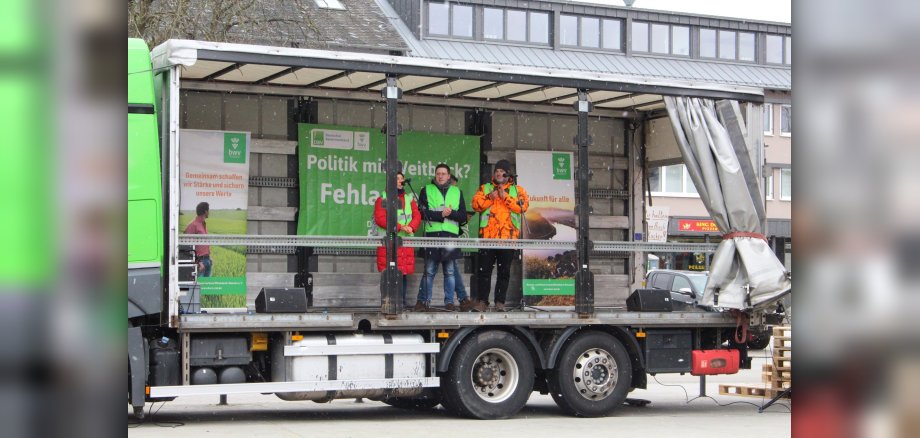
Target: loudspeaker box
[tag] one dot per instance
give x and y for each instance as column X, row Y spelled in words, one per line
column 649, row 300
column 282, row 300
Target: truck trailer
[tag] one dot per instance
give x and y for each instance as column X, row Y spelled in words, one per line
column 345, row 342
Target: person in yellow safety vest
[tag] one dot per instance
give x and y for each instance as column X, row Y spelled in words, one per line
column 500, row 204
column 408, row 220
column 443, row 209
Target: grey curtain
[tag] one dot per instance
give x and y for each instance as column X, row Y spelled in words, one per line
column 717, row 149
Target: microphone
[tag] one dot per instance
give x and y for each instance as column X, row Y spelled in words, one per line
column 407, row 180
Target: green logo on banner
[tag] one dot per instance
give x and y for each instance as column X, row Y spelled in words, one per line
column 562, row 169
column 319, row 137
column 234, row 148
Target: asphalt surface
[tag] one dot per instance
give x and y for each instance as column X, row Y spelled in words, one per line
column 669, row 413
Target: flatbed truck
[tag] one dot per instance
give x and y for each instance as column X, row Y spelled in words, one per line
column 485, row 365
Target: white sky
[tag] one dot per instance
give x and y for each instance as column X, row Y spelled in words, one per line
column 769, row 10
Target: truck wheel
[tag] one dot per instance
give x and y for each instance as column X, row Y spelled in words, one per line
column 490, row 377
column 758, row 341
column 592, row 376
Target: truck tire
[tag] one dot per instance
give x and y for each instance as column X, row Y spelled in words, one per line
column 490, row 377
column 593, row 375
column 758, row 341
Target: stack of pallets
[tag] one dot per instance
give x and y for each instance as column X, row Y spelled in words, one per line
column 776, row 377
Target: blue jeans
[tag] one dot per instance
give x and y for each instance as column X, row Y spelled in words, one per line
column 206, row 261
column 459, row 288
column 403, row 290
column 431, row 268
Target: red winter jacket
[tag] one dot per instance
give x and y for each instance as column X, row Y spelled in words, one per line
column 405, row 257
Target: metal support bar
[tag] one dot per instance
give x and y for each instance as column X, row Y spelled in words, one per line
column 355, row 350
column 270, row 387
column 391, row 300
column 584, row 278
column 354, row 242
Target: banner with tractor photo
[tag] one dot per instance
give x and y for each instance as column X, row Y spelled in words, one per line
column 549, row 275
column 214, row 168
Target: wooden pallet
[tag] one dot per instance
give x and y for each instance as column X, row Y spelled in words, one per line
column 782, row 332
column 750, row 391
column 782, row 342
column 775, row 375
column 782, row 364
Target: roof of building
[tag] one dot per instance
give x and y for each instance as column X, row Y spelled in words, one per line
column 361, row 26
column 754, row 75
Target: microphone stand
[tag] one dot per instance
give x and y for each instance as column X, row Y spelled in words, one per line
column 423, row 209
column 520, row 203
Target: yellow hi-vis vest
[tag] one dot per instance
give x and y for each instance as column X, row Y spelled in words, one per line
column 436, row 202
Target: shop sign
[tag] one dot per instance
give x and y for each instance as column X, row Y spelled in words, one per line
column 702, row 226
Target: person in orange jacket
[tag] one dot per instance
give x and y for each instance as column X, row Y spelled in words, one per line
column 409, row 219
column 500, row 205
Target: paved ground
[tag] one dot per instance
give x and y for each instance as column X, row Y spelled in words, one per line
column 669, row 413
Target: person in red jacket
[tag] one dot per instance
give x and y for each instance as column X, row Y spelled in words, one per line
column 409, row 219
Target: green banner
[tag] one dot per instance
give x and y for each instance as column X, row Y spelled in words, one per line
column 342, row 173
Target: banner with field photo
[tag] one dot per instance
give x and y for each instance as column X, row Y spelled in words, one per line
column 549, row 275
column 214, row 168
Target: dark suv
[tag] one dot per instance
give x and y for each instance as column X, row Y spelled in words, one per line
column 687, row 288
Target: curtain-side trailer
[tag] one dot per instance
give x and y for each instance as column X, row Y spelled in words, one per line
column 476, row 364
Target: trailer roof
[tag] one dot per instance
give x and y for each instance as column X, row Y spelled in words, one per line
column 250, row 65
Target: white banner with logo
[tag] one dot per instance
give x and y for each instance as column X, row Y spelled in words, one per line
column 549, row 275
column 214, row 168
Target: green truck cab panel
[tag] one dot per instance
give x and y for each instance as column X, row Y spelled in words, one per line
column 145, row 198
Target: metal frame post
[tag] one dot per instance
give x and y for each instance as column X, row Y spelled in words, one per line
column 584, row 279
column 390, row 286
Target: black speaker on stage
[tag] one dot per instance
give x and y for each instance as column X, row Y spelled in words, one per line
column 282, row 300
column 649, row 300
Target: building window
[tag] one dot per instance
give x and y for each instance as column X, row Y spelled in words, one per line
column 727, row 44
column 768, row 186
column 612, row 35
column 497, row 24
column 789, row 50
column 568, row 30
column 639, row 37
column 587, row 32
column 707, row 43
column 438, row 14
column 671, row 180
column 785, row 120
column 445, row 19
column 785, row 193
column 330, row 4
column 539, row 27
column 517, row 26
column 779, row 49
column 746, row 47
column 680, row 40
column 493, row 24
column 768, row 119
column 661, row 39
column 590, row 32
column 462, row 21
